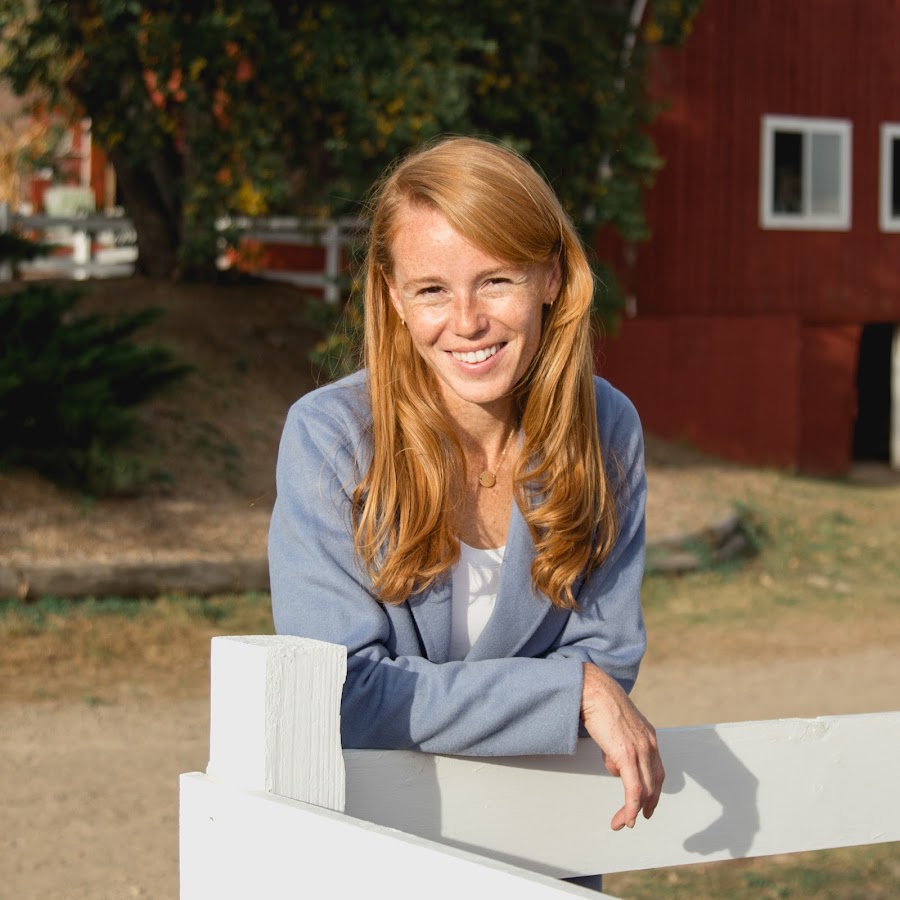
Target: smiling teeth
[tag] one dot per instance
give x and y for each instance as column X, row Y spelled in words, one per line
column 476, row 356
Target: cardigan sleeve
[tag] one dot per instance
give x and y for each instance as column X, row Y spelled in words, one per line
column 319, row 590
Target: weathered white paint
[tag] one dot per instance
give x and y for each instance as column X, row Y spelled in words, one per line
column 237, row 843
column 745, row 789
column 895, row 399
column 275, row 716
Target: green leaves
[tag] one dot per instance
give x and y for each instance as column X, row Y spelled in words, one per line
column 265, row 107
column 69, row 383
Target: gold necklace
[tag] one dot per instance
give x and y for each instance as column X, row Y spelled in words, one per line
column 488, row 478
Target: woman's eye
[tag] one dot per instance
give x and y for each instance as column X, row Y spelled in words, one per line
column 431, row 289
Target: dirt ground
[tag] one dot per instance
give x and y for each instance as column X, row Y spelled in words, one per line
column 89, row 777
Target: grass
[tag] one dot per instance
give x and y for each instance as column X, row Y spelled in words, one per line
column 117, row 648
column 827, row 562
column 852, row 873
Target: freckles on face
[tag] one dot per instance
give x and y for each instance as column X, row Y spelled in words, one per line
column 474, row 319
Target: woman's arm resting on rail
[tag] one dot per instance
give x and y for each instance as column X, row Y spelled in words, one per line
column 608, row 632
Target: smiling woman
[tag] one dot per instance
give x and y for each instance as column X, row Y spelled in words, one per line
column 474, row 319
column 466, row 515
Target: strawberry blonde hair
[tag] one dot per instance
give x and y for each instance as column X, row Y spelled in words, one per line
column 405, row 508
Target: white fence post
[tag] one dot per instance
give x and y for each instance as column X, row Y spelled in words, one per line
column 275, row 717
column 6, row 269
column 81, row 253
column 331, row 238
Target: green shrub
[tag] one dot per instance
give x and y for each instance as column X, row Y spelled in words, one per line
column 16, row 249
column 69, row 385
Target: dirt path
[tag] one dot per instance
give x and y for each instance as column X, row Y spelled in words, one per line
column 90, row 797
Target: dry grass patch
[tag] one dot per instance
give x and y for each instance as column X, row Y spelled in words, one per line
column 110, row 650
column 827, row 575
column 851, row 873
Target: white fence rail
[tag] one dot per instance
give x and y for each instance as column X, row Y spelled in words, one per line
column 98, row 246
column 103, row 246
column 282, row 810
column 333, row 236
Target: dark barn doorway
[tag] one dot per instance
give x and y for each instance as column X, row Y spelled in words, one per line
column 872, row 430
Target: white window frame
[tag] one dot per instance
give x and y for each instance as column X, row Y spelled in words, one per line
column 890, row 132
column 804, row 221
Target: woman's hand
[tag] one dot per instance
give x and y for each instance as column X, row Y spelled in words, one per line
column 628, row 742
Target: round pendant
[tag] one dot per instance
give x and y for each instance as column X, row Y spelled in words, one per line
column 487, row 479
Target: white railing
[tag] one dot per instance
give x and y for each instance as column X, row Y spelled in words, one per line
column 93, row 245
column 332, row 235
column 105, row 246
column 283, row 812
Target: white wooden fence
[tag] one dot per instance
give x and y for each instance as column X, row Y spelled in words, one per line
column 332, row 235
column 105, row 246
column 99, row 246
column 283, row 812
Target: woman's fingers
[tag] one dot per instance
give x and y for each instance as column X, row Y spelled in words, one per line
column 652, row 772
column 658, row 778
column 628, row 742
column 642, row 782
column 634, row 799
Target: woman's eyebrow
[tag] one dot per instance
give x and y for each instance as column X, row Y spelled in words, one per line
column 510, row 270
column 422, row 279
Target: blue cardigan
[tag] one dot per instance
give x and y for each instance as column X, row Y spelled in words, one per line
column 518, row 690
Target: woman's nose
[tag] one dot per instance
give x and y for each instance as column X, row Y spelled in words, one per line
column 467, row 317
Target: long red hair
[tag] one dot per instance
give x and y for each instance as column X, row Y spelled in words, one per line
column 403, row 509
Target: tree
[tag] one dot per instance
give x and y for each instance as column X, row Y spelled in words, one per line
column 214, row 107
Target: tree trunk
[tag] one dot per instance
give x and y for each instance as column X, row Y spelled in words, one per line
column 154, row 220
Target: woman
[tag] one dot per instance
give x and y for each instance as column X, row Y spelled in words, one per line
column 466, row 514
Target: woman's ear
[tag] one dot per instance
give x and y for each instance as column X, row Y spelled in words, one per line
column 554, row 282
column 396, row 302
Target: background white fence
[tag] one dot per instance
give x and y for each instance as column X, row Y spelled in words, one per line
column 94, row 246
column 334, row 236
column 282, row 812
column 105, row 246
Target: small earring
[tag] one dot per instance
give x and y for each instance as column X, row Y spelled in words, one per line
column 403, row 322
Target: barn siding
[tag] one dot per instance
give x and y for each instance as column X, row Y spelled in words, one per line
column 709, row 256
column 746, row 340
column 828, row 397
column 726, row 386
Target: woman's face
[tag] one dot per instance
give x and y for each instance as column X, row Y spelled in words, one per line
column 474, row 319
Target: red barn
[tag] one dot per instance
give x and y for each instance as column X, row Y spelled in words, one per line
column 763, row 321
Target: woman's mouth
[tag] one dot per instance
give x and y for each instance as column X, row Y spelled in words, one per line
column 476, row 356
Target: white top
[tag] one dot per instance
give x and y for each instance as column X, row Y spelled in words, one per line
column 476, row 579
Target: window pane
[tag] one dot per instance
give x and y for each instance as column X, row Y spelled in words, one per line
column 787, row 190
column 895, row 177
column 825, row 175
